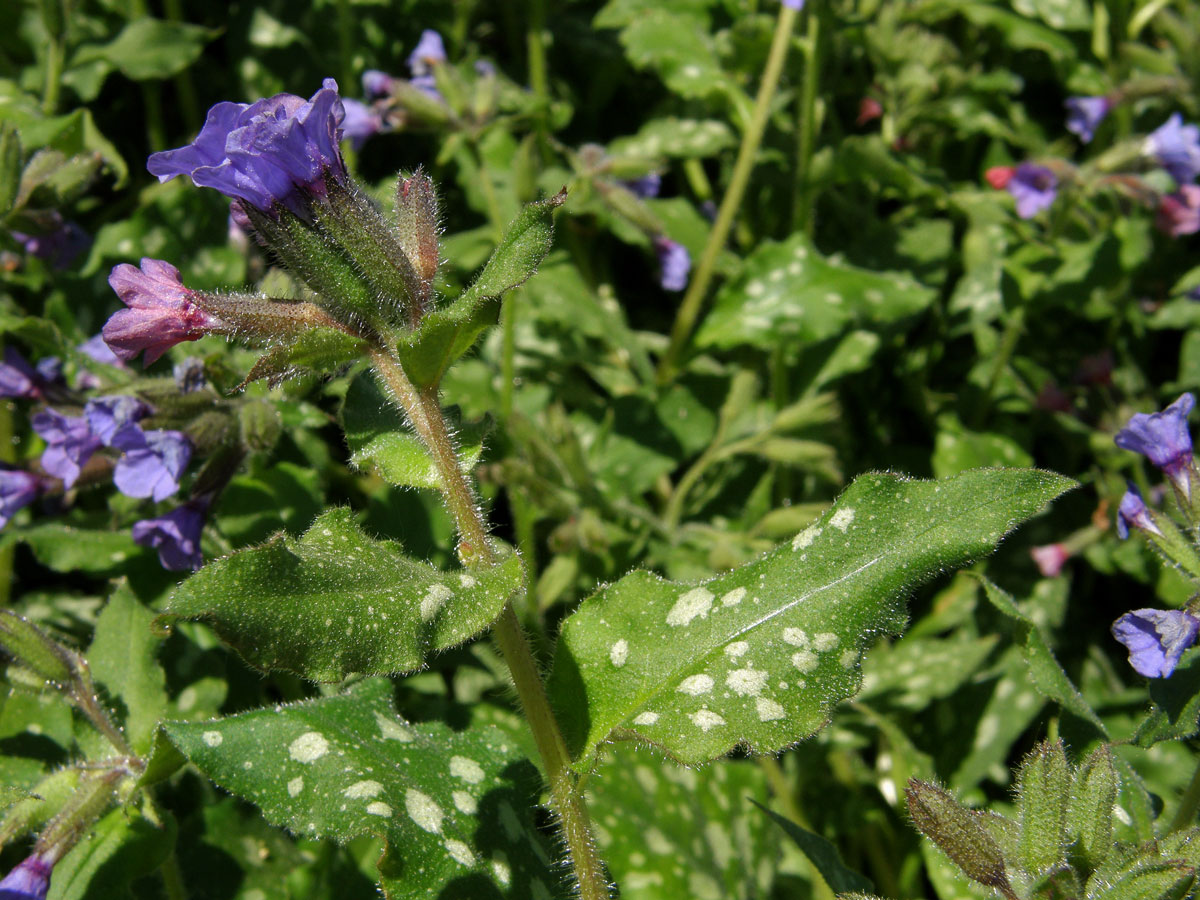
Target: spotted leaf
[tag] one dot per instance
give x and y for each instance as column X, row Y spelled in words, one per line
column 789, row 293
column 758, row 656
column 451, row 806
column 337, row 602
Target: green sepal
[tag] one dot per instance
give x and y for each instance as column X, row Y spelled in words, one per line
column 959, row 833
column 1043, row 790
column 322, row 350
column 447, row 333
column 27, row 643
column 1171, row 880
column 1089, row 811
column 39, row 804
column 336, row 602
column 378, row 440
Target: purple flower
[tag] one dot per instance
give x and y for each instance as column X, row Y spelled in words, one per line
column 19, row 379
column 645, row 187
column 106, row 416
column 1033, row 187
column 30, row 880
column 1156, row 638
column 360, row 123
column 675, row 261
column 59, row 245
column 70, row 443
column 429, row 52
column 485, row 68
column 1177, row 148
column 176, row 535
column 1084, row 115
column 95, row 349
column 1133, row 511
column 1179, row 213
column 18, row 489
column 377, row 84
column 161, row 311
column 273, row 151
column 426, row 84
column 1163, row 438
column 152, row 463
column 794, row 4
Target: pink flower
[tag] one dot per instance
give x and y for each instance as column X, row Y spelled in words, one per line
column 1179, row 213
column 1050, row 559
column 161, row 313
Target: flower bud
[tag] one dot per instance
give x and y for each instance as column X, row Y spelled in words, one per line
column 959, row 833
column 418, row 227
column 34, row 649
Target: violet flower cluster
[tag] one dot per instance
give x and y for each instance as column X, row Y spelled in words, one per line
column 1156, row 638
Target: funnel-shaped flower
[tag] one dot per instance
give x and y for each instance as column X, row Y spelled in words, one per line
column 360, row 123
column 176, row 535
column 675, row 261
column 1033, row 187
column 377, row 84
column 1177, row 148
column 1049, row 559
column 107, row 416
column 161, row 313
column 1163, row 438
column 18, row 489
column 1156, row 638
column 1133, row 513
column 429, row 52
column 19, row 379
column 30, row 880
column 70, row 443
column 1084, row 115
column 152, row 463
column 275, row 151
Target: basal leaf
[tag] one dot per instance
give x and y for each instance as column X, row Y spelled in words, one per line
column 667, row 831
column 378, row 438
column 453, row 807
column 336, row 602
column 446, row 334
column 789, row 292
column 758, row 657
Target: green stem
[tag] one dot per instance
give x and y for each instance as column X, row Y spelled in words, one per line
column 55, row 54
column 535, row 46
column 425, row 414
column 1008, row 345
column 185, row 87
column 1189, row 804
column 689, row 308
column 802, row 217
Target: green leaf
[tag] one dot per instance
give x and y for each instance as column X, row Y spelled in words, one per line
column 150, row 48
column 453, row 807
column 759, row 656
column 1090, row 809
column 121, row 848
column 65, row 548
column 789, row 293
column 446, row 334
column 667, row 831
column 1046, row 673
column 337, row 602
column 378, row 439
column 1171, row 880
column 675, row 138
column 1176, row 711
column 123, row 658
column 824, row 855
column 683, row 55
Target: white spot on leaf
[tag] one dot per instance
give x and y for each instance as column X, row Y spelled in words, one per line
column 646, row 718
column 465, row 802
column 706, row 720
column 806, row 537
column 435, row 598
column 795, row 636
column 842, row 518
column 466, row 769
column 746, row 682
column 391, row 730
column 309, row 747
column 295, row 786
column 805, row 660
column 696, row 685
column 379, row 808
column 460, row 852
column 826, row 640
column 422, row 810
column 737, row 649
column 363, row 789
column 619, row 652
column 768, row 710
column 734, row 597
column 696, row 602
column 212, row 738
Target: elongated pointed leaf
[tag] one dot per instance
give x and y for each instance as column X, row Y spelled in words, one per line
column 379, row 439
column 337, row 602
column 453, row 807
column 446, row 334
column 759, row 656
column 822, row 854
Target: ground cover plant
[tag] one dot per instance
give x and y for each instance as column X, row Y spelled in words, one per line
column 706, row 448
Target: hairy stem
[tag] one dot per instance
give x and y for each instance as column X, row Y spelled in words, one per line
column 803, row 212
column 425, row 414
column 689, row 308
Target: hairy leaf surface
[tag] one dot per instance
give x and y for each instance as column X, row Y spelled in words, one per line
column 758, row 656
column 452, row 806
column 337, row 602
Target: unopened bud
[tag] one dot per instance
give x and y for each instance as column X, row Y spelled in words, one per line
column 959, row 833
column 418, row 227
column 260, row 424
column 34, row 648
